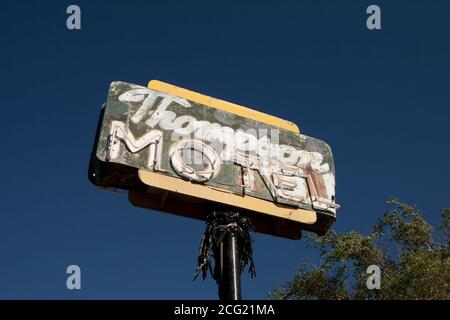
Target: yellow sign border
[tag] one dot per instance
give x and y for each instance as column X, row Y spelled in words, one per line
column 180, row 186
column 223, row 105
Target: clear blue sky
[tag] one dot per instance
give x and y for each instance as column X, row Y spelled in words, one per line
column 381, row 99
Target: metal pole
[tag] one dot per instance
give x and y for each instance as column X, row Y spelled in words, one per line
column 229, row 268
column 227, row 238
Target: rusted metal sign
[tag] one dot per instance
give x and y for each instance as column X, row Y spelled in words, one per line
column 181, row 155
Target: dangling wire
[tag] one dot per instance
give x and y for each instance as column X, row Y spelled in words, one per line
column 218, row 224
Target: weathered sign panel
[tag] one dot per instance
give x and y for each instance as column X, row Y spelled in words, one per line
column 183, row 152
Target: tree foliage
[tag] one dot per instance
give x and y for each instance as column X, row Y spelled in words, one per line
column 414, row 262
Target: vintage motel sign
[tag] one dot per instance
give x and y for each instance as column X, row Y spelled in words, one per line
column 181, row 152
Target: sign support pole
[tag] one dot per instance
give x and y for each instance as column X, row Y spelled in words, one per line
column 229, row 263
column 227, row 239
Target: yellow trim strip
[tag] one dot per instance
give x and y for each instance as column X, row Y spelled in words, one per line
column 173, row 184
column 223, row 105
